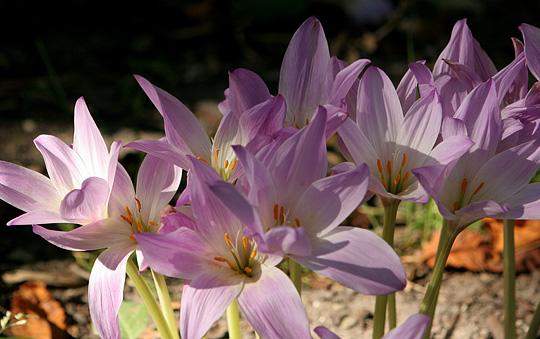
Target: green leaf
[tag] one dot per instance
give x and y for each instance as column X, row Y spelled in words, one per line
column 133, row 319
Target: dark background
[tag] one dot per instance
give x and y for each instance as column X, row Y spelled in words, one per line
column 53, row 52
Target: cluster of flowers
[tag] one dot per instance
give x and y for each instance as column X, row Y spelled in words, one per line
column 259, row 192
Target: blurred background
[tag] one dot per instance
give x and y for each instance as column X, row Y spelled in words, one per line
column 54, row 52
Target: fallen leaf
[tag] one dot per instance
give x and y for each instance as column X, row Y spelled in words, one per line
column 49, row 317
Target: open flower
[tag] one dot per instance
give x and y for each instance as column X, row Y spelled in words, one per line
column 292, row 208
column 222, row 264
column 393, row 144
column 81, row 177
column 129, row 213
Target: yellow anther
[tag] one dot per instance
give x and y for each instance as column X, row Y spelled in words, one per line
column 233, row 165
column 139, row 226
column 126, row 219
column 153, row 223
column 231, row 265
column 276, row 208
column 405, row 176
column 226, row 163
column 138, row 203
column 248, row 269
column 297, row 222
column 253, row 254
column 389, row 167
column 129, row 215
column 220, row 259
column 404, row 160
column 132, row 237
column 379, row 165
column 479, row 188
column 396, row 180
column 216, row 154
column 464, row 184
column 244, row 243
column 227, row 239
column 201, row 159
column 384, row 184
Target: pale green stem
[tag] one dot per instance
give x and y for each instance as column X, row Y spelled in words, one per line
column 389, row 224
column 295, row 274
column 429, row 303
column 509, row 280
column 149, row 299
column 233, row 321
column 392, row 314
column 535, row 324
column 166, row 305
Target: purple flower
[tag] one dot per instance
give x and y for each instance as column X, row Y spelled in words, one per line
column 391, row 144
column 221, row 264
column 186, row 136
column 81, row 176
column 292, row 208
column 129, row 213
column 484, row 182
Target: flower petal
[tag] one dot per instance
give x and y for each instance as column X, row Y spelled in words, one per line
column 204, row 300
column 531, row 37
column 358, row 259
column 413, row 328
column 162, row 150
column 344, row 81
column 289, row 240
column 274, row 315
column 87, row 204
column 246, row 89
column 106, row 292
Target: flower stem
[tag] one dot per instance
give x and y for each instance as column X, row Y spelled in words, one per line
column 509, row 280
column 429, row 303
column 295, row 274
column 389, row 225
column 149, row 299
column 535, row 324
column 392, row 316
column 165, row 302
column 233, row 321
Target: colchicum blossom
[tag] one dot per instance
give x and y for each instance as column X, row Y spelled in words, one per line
column 244, row 119
column 293, row 209
column 221, row 263
column 484, row 183
column 81, row 177
column 393, row 144
column 129, row 213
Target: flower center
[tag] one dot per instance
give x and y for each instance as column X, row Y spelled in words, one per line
column 280, row 218
column 225, row 169
column 136, row 223
column 242, row 262
column 459, row 203
column 393, row 184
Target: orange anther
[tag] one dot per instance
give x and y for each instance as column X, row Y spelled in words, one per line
column 138, row 203
column 396, row 180
column 464, row 184
column 389, row 167
column 379, row 165
column 479, row 188
column 404, row 159
column 244, row 243
column 201, row 159
column 276, row 209
column 226, row 163
column 253, row 254
column 297, row 222
column 248, row 269
column 233, row 165
column 405, row 177
column 227, row 239
column 132, row 237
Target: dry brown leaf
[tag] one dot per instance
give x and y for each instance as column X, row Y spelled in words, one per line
column 33, row 298
column 471, row 250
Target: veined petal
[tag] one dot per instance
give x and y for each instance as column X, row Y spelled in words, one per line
column 274, row 315
column 344, row 81
column 379, row 114
column 35, row 217
column 205, row 299
column 531, row 37
column 406, row 89
column 246, row 89
column 525, row 204
column 122, row 193
column 181, row 253
column 468, row 77
column 182, row 128
column 105, row 294
column 479, row 210
column 303, row 70
column 432, row 179
column 358, row 259
column 99, row 234
column 26, row 189
column 505, row 78
column 449, row 150
column 65, row 167
column 301, row 159
column 325, row 333
column 289, row 240
column 87, row 204
column 420, row 129
column 459, row 49
column 88, row 142
column 336, row 116
column 358, row 146
column 264, row 118
column 162, row 150
column 157, row 183
column 328, row 201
